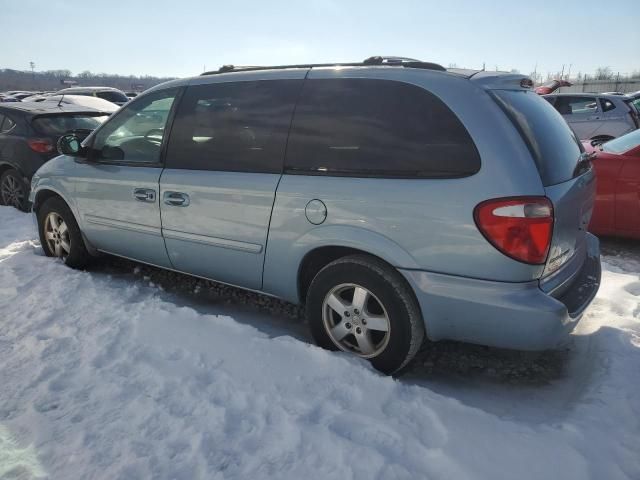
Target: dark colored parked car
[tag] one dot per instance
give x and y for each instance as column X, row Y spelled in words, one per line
column 28, row 136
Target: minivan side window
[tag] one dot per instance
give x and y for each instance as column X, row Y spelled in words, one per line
column 234, row 126
column 135, row 134
column 377, row 128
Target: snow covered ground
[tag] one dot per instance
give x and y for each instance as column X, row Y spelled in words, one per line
column 105, row 375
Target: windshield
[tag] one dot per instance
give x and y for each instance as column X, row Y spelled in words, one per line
column 553, row 144
column 622, row 144
column 113, row 96
column 57, row 125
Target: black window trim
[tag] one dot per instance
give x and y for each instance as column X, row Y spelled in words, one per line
column 165, row 138
column 370, row 173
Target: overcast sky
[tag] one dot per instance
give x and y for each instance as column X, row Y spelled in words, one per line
column 180, row 38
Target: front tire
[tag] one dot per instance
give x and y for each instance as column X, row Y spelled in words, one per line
column 60, row 235
column 361, row 305
column 14, row 192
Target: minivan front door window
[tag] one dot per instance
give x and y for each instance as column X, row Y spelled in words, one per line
column 136, row 134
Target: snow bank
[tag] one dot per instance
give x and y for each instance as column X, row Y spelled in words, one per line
column 103, row 378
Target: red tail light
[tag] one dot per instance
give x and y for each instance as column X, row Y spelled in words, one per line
column 519, row 227
column 40, row 145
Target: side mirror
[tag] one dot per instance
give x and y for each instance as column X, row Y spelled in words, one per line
column 70, row 145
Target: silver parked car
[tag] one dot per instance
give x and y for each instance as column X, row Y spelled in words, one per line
column 596, row 116
column 393, row 198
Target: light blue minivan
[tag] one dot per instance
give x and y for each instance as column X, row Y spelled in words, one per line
column 393, row 197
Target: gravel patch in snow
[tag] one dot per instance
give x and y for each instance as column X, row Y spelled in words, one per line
column 435, row 358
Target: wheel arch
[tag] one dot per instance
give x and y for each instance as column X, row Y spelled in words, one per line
column 5, row 166
column 290, row 267
column 44, row 193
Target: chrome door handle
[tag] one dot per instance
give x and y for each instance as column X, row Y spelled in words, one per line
column 176, row 199
column 144, row 194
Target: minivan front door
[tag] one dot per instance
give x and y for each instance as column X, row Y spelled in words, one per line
column 117, row 188
column 223, row 164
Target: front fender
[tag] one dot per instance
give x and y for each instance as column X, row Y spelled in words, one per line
column 284, row 255
column 57, row 186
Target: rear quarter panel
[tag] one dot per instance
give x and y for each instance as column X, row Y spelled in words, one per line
column 424, row 224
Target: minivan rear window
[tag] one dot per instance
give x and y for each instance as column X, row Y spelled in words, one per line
column 57, row 125
column 377, row 128
column 553, row 144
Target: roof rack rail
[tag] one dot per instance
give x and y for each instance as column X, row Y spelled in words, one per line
column 377, row 60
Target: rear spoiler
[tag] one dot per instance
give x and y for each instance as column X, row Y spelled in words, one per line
column 502, row 81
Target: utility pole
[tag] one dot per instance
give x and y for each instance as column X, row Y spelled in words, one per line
column 33, row 74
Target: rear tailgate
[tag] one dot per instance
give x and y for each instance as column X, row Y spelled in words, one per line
column 568, row 182
column 572, row 207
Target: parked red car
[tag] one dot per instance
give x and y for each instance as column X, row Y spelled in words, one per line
column 551, row 87
column 617, row 208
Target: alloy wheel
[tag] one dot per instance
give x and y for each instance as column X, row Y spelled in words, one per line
column 56, row 234
column 12, row 192
column 355, row 320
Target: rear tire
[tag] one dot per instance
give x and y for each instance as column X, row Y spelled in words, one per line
column 60, row 235
column 361, row 305
column 14, row 191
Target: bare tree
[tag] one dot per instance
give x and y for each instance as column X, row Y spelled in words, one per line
column 603, row 73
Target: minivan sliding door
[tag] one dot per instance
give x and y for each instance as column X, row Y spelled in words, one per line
column 223, row 164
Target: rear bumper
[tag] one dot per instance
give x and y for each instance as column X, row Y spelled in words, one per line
column 508, row 315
